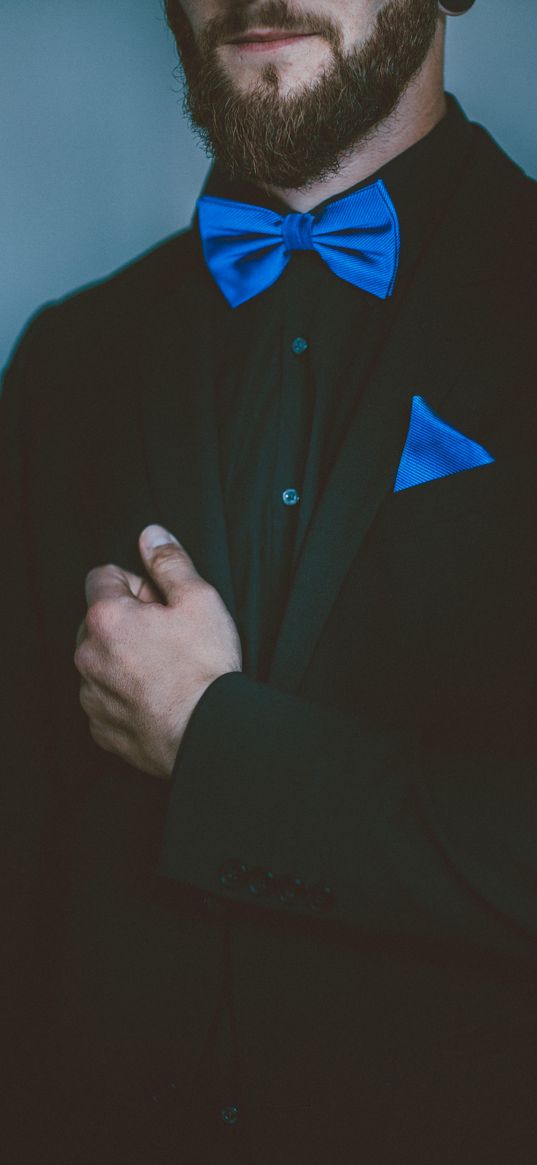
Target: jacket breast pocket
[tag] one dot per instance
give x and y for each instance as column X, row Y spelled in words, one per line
column 487, row 494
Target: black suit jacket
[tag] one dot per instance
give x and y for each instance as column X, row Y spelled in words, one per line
column 329, row 919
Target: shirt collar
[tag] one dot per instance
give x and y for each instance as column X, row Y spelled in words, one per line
column 419, row 181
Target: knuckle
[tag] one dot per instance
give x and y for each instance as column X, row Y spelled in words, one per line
column 100, row 617
column 94, row 577
column 97, row 735
column 100, row 734
column 85, row 698
column 97, row 571
column 80, row 658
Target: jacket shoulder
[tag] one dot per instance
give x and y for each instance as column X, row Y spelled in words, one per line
column 116, row 304
column 504, row 200
column 144, row 280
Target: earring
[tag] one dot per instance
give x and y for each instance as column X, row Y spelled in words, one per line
column 456, row 7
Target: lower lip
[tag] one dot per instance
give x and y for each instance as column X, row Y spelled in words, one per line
column 264, row 46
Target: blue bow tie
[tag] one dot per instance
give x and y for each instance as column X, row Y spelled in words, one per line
column 247, row 247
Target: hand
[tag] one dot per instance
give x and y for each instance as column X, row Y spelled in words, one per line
column 147, row 651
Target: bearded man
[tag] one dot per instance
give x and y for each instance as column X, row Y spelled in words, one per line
column 271, row 839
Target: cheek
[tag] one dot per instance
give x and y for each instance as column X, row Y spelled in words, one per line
column 195, row 13
column 358, row 20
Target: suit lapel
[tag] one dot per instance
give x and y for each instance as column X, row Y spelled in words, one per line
column 179, row 422
column 430, row 338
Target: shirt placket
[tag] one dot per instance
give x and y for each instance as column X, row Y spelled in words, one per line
column 295, row 414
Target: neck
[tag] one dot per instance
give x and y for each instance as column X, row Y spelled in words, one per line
column 421, row 107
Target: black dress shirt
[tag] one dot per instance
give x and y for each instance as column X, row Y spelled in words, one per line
column 291, row 367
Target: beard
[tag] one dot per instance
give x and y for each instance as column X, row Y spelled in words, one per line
column 295, row 140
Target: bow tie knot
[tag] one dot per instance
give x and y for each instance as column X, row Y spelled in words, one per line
column 248, row 247
column 297, row 232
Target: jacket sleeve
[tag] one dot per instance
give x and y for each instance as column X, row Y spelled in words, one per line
column 294, row 807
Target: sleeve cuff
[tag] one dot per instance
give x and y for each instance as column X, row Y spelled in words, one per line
column 241, row 799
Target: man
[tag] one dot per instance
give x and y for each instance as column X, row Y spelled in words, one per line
column 272, row 839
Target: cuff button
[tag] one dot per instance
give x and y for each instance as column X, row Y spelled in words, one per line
column 231, row 874
column 321, row 899
column 260, row 882
column 291, row 889
column 229, row 1114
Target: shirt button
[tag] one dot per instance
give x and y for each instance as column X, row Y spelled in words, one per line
column 299, row 345
column 290, row 497
column 229, row 1114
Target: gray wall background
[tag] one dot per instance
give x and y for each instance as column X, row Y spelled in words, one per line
column 97, row 162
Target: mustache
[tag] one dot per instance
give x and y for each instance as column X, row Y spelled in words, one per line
column 273, row 14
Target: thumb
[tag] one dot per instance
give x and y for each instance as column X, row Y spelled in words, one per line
column 166, row 562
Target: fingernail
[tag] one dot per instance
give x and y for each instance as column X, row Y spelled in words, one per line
column 154, row 536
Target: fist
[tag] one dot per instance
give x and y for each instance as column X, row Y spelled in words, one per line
column 147, row 651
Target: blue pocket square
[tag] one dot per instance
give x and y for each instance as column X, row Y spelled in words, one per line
column 434, row 449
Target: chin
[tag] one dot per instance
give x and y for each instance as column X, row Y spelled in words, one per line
column 274, row 78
